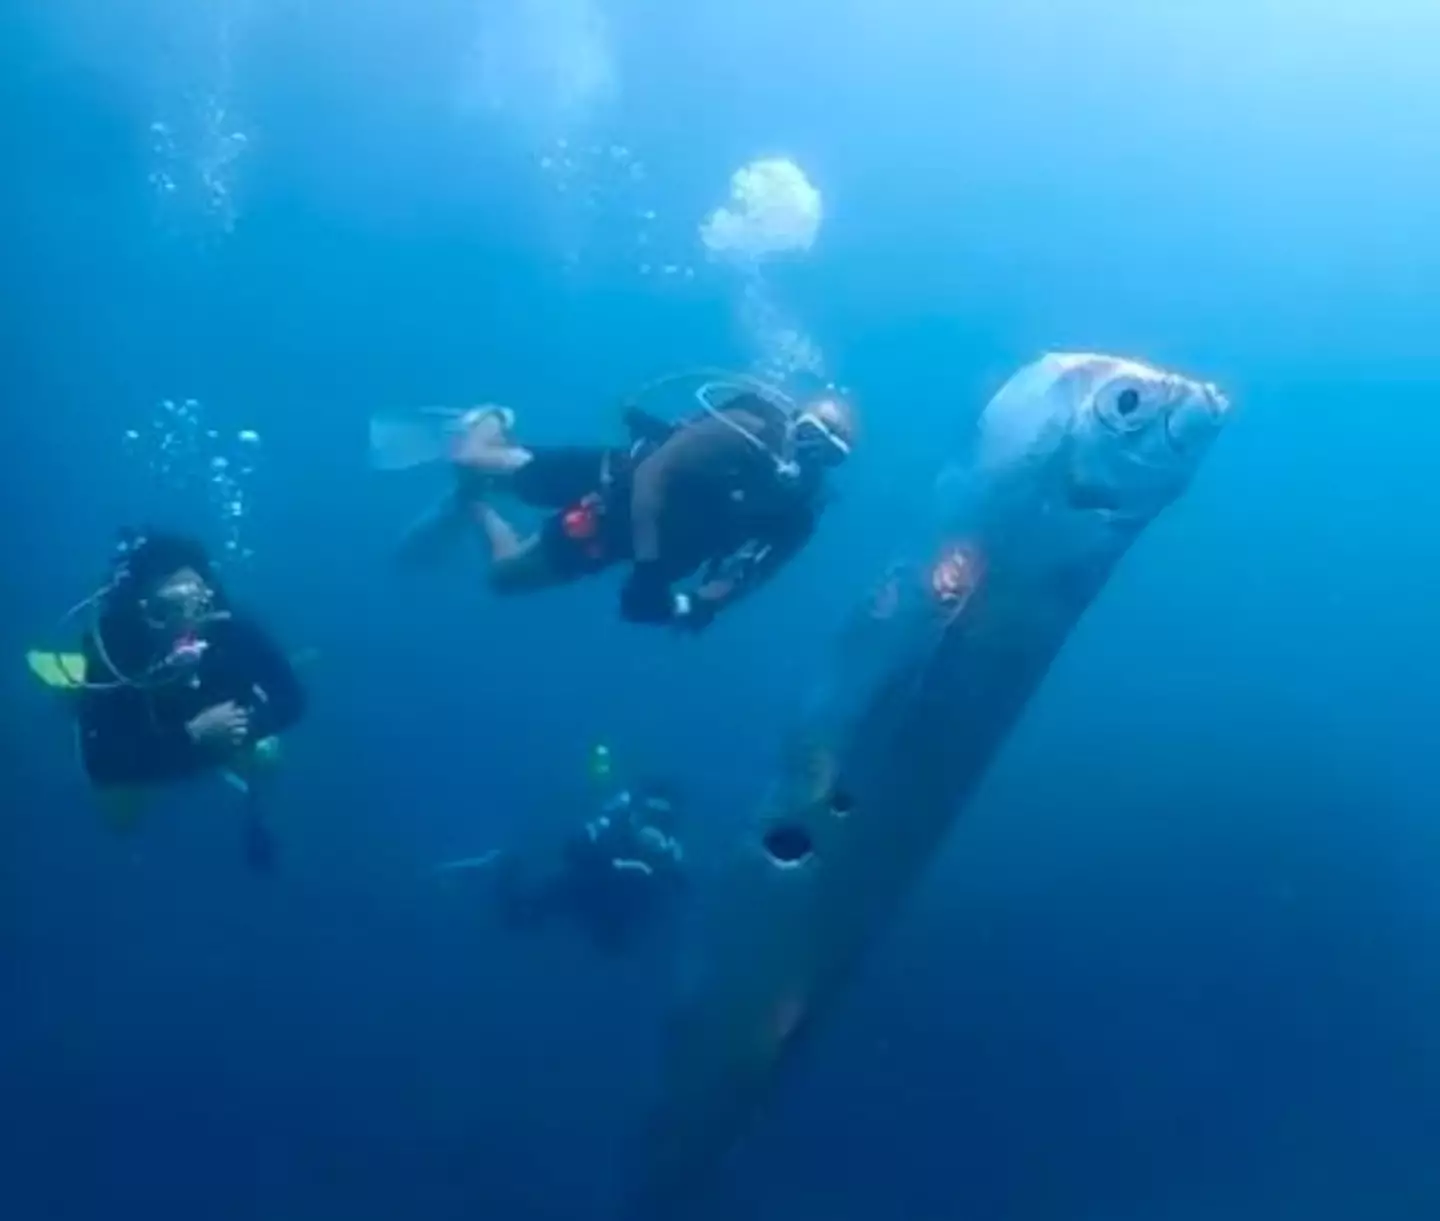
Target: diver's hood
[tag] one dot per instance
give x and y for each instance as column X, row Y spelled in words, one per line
column 147, row 559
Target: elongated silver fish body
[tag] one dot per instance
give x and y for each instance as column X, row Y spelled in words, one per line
column 1071, row 459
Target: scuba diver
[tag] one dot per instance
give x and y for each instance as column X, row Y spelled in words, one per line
column 732, row 493
column 615, row 878
column 172, row 682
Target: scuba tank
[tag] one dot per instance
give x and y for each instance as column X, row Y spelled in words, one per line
column 717, row 389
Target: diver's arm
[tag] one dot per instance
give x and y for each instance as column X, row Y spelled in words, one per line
column 743, row 573
column 279, row 699
column 646, row 596
column 649, row 487
column 122, row 744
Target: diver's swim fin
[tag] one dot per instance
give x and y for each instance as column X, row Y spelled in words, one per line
column 400, row 440
column 60, row 671
column 261, row 848
column 435, row 534
column 466, row 864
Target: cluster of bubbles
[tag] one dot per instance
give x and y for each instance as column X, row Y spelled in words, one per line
column 549, row 68
column 197, row 148
column 546, row 69
column 773, row 211
column 187, row 456
column 783, row 351
column 606, row 215
column 197, row 173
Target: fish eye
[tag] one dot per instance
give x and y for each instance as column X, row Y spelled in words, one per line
column 1125, row 408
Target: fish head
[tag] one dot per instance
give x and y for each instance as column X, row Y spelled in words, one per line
column 1122, row 438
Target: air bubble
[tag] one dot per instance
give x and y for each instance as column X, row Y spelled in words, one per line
column 187, row 458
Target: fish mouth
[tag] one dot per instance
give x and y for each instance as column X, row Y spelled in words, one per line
column 1109, row 505
column 1094, row 498
column 1196, row 419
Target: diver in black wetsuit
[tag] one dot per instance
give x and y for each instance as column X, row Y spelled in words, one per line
column 617, row 875
column 176, row 682
column 732, row 495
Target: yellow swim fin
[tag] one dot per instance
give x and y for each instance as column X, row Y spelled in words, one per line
column 59, row 671
column 121, row 809
column 66, row 671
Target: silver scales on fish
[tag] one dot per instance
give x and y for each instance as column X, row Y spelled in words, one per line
column 1070, row 461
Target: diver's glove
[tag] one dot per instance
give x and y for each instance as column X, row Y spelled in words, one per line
column 693, row 613
column 646, row 597
column 223, row 726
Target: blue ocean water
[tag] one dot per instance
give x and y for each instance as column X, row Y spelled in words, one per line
column 1181, row 960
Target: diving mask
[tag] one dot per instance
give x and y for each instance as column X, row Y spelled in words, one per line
column 180, row 604
column 816, row 437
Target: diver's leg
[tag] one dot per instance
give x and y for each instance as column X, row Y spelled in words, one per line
column 543, row 477
column 543, row 560
column 433, row 536
column 517, row 565
column 501, row 537
column 261, row 848
column 485, row 449
column 483, row 458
